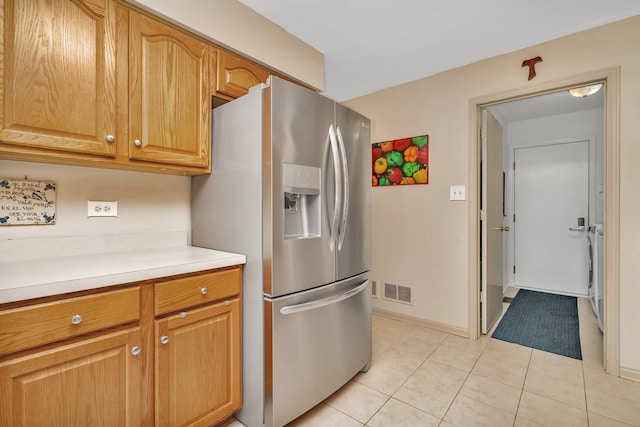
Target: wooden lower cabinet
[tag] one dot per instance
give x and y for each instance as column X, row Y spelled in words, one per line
column 166, row 353
column 96, row 382
column 198, row 365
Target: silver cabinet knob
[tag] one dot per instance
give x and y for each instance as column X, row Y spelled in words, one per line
column 204, row 291
column 227, row 302
column 136, row 350
column 111, row 138
column 138, row 143
column 76, row 319
column 164, row 339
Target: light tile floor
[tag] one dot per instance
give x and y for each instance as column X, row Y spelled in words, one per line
column 423, row 377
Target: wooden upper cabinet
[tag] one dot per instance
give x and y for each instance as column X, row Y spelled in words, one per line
column 169, row 94
column 58, row 75
column 236, row 75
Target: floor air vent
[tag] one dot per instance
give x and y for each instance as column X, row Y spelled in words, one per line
column 403, row 294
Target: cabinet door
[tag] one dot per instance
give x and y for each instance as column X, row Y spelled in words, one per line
column 236, row 75
column 198, row 365
column 170, row 102
column 92, row 382
column 58, row 75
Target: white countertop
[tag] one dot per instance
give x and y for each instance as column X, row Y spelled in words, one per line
column 36, row 278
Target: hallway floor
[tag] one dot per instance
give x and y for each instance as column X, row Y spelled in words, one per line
column 423, row 377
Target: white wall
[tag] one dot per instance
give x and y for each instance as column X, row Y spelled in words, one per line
column 421, row 238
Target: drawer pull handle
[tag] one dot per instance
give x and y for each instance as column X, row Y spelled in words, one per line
column 135, row 350
column 204, row 291
column 76, row 319
column 227, row 302
column 164, row 339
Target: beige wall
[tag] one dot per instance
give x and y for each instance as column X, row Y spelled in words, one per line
column 421, row 238
column 147, row 202
column 231, row 24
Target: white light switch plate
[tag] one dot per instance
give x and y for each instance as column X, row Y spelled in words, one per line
column 457, row 192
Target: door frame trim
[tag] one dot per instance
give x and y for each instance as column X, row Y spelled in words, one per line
column 611, row 151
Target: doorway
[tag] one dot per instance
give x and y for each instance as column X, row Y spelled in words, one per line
column 610, row 211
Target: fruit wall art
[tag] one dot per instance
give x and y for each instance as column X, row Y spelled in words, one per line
column 400, row 161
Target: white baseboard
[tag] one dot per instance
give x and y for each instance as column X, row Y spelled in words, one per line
column 453, row 330
column 630, row 374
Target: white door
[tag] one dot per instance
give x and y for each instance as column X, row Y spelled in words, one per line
column 492, row 229
column 551, row 193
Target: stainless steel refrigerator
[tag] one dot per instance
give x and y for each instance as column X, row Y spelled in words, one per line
column 289, row 188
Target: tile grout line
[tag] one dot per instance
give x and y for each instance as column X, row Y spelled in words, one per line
column 522, row 389
column 442, row 345
column 400, row 386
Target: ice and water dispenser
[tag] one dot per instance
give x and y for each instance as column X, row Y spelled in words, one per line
column 301, row 201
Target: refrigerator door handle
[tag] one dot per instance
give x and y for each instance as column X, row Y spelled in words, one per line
column 338, row 189
column 297, row 308
column 342, row 231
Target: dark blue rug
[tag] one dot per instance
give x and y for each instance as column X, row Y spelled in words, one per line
column 544, row 321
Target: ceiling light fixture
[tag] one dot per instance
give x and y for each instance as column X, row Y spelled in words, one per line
column 581, row 92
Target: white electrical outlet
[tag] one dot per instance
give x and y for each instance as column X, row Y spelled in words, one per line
column 101, row 208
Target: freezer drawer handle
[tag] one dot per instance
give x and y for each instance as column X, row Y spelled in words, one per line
column 290, row 309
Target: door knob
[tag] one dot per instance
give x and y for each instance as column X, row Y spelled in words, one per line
column 580, row 226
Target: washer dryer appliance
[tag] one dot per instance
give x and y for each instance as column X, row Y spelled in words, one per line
column 599, row 277
column 596, row 276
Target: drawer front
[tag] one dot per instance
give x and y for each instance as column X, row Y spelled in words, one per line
column 35, row 325
column 180, row 294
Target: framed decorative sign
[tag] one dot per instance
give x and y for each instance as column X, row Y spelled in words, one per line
column 25, row 202
column 400, row 161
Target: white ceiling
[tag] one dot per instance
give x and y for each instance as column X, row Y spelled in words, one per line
column 550, row 104
column 370, row 45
